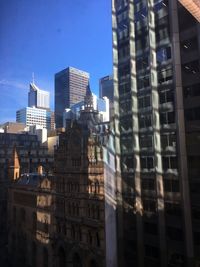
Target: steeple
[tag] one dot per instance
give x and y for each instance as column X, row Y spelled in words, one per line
column 88, row 100
column 14, row 169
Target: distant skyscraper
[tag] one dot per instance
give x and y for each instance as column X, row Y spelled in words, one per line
column 156, row 52
column 38, row 98
column 34, row 116
column 70, row 88
column 106, row 87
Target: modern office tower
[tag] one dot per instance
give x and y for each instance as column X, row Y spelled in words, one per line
column 106, row 87
column 70, row 88
column 156, row 50
column 34, row 116
column 38, row 98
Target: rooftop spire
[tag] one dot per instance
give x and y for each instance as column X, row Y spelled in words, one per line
column 88, row 99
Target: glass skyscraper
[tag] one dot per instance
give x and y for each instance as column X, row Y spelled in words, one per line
column 156, row 52
column 70, row 88
column 106, row 87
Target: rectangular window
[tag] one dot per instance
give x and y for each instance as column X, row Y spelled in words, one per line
column 167, row 117
column 146, row 162
column 145, row 121
column 169, row 162
column 146, row 141
column 144, row 101
column 171, row 185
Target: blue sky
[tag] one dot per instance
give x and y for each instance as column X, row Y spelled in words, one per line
column 46, row 36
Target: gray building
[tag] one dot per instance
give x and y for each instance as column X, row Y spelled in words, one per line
column 156, row 51
column 106, row 87
column 70, row 88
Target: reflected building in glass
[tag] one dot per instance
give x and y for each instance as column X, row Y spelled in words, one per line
column 70, row 88
column 156, row 51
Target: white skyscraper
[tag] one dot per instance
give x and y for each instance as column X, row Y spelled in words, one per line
column 38, row 98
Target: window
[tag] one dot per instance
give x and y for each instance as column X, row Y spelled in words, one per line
column 148, row 184
column 165, row 76
column 173, row 208
column 192, row 114
column 147, row 162
column 169, row 162
column 149, row 205
column 168, row 140
column 144, row 101
column 167, row 117
column 146, row 141
column 171, row 185
column 191, row 67
column 145, row 121
column 97, row 240
column 143, row 82
column 166, row 96
column 152, row 252
column 22, row 215
column 163, row 54
column 150, row 228
column 192, row 90
column 174, row 233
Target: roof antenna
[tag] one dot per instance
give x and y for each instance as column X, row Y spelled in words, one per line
column 33, row 78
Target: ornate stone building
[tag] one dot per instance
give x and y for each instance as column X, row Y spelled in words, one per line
column 79, row 209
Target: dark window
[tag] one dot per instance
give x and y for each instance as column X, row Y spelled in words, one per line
column 146, row 162
column 167, row 117
column 166, row 96
column 148, row 184
column 172, row 208
column 149, row 205
column 146, row 141
column 171, row 185
column 145, row 121
column 169, row 163
column 150, row 228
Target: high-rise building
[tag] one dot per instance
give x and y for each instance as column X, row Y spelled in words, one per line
column 156, row 51
column 38, row 98
column 70, row 88
column 106, row 87
column 34, row 116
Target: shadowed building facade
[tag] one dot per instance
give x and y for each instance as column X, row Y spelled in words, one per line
column 79, row 213
column 156, row 49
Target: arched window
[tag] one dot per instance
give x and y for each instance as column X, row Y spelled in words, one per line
column 77, row 261
column 45, row 257
column 61, row 257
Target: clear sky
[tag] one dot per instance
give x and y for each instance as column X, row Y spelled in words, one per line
column 46, row 36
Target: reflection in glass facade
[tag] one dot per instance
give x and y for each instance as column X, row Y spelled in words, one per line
column 156, row 49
